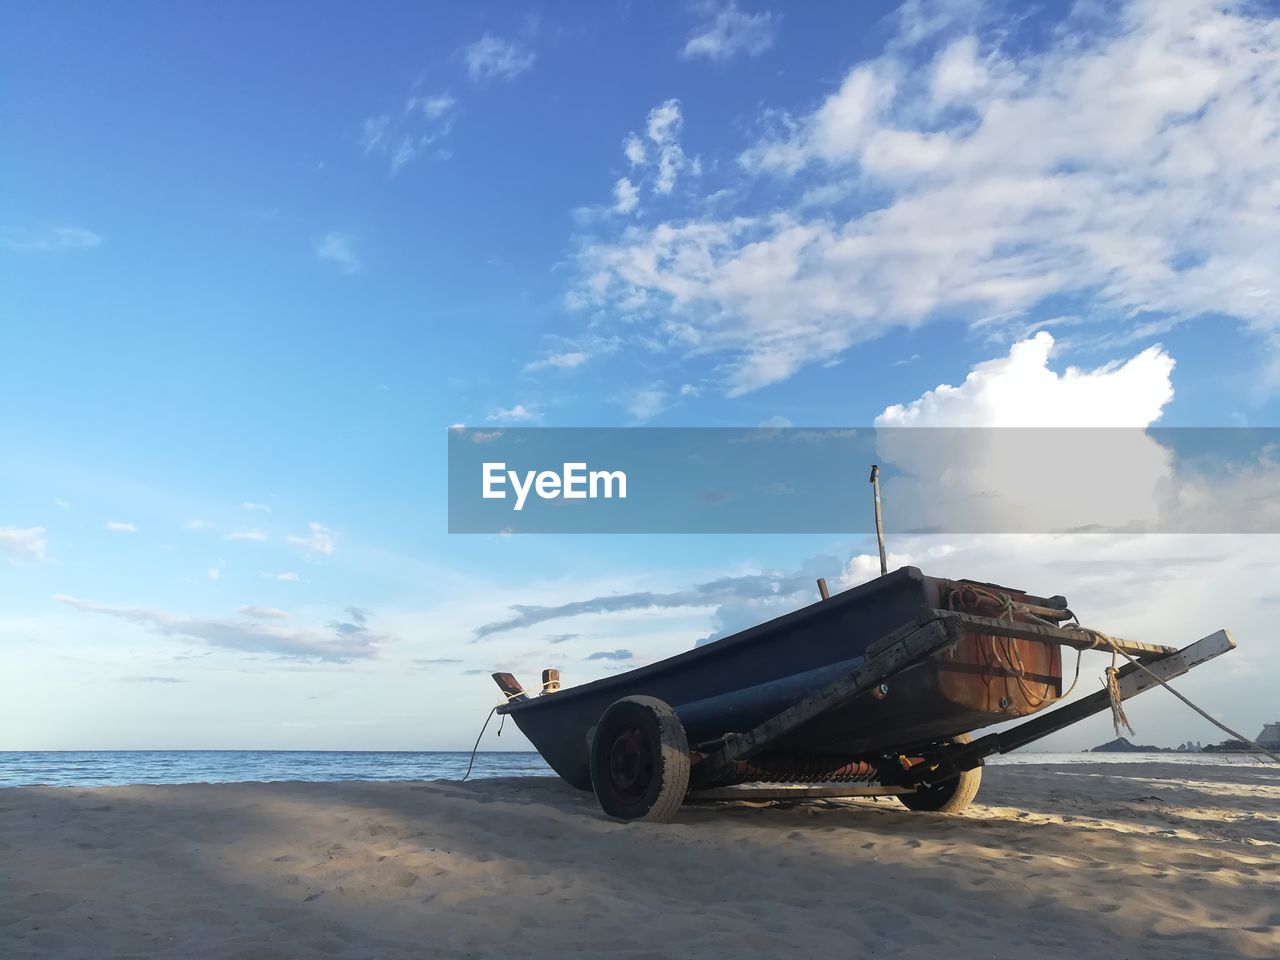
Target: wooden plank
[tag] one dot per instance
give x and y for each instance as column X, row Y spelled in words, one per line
column 1046, row 634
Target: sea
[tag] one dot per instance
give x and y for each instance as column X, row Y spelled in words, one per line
column 106, row 768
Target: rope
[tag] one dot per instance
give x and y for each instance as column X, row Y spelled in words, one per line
column 507, row 698
column 1107, row 641
column 471, row 762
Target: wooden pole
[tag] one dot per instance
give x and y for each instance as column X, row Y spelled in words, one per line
column 875, row 486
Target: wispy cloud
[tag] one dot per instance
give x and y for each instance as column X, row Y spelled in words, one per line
column 259, row 507
column 647, row 402
column 61, row 504
column 559, row 361
column 708, row 594
column 23, row 543
column 120, row 526
column 152, row 679
column 731, row 32
column 339, row 249
column 199, row 525
column 346, row 641
column 517, row 414
column 610, row 655
column 493, row 57
column 413, row 131
column 257, row 536
column 47, row 237
column 319, row 539
column 285, row 576
column 214, row 573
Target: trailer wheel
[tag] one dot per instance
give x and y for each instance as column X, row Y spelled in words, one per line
column 640, row 760
column 949, row 796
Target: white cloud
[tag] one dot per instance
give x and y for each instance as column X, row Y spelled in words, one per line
column 1021, row 390
column 432, row 107
column 491, row 57
column 556, row 361
column 339, row 249
column 252, row 535
column 260, row 507
column 23, row 543
column 287, row 576
column 648, row 402
column 318, row 541
column 119, row 526
column 517, row 414
column 348, row 640
column 48, row 238
column 199, row 525
column 626, row 196
column 214, row 573
column 61, row 504
column 1134, row 164
column 633, row 149
column 731, row 32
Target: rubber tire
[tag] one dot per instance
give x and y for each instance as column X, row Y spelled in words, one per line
column 669, row 755
column 950, row 796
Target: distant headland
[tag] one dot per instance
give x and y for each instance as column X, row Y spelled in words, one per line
column 1268, row 738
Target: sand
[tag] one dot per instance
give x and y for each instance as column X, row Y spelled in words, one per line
column 1081, row 861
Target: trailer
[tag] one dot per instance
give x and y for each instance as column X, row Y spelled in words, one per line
column 873, row 691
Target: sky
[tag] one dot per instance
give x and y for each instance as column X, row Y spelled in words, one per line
column 254, row 268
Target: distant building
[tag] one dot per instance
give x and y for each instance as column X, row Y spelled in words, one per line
column 1270, row 736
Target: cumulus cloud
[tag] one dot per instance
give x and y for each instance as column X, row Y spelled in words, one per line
column 1133, row 164
column 340, row 250
column 347, row 641
column 731, row 32
column 319, row 540
column 23, row 543
column 493, row 57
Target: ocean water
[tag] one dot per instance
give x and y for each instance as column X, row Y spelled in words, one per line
column 121, row 767
column 106, row 768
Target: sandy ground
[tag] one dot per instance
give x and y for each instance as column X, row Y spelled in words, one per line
column 1081, row 861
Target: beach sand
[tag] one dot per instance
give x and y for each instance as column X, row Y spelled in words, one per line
column 1081, row 860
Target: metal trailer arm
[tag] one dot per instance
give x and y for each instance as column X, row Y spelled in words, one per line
column 891, row 654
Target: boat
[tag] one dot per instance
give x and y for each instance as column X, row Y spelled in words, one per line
column 876, row 690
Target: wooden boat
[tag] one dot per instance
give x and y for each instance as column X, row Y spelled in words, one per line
column 879, row 685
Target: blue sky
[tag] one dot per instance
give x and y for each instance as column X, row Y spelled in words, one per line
column 255, row 266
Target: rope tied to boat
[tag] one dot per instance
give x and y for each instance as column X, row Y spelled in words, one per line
column 506, row 698
column 1102, row 641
